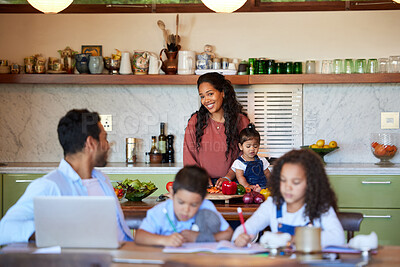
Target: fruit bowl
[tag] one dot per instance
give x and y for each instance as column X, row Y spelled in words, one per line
column 321, row 151
column 384, row 147
column 139, row 196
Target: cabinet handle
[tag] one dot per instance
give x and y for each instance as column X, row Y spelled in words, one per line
column 373, row 182
column 377, row 216
column 23, row 181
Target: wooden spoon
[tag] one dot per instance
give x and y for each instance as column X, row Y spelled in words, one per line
column 177, row 24
column 161, row 25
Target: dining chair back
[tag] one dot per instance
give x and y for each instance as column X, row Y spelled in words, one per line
column 351, row 222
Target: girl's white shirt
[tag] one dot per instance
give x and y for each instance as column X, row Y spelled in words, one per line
column 331, row 230
column 237, row 164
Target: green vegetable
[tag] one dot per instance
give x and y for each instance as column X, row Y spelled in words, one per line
column 240, row 189
column 136, row 190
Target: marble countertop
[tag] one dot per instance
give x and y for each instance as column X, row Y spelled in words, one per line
column 142, row 168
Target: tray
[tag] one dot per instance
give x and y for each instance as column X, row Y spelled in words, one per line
column 220, row 196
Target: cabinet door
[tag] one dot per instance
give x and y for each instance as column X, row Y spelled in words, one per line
column 384, row 222
column 14, row 186
column 367, row 191
column 160, row 180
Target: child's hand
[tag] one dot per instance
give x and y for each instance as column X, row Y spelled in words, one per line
column 243, row 239
column 256, row 188
column 189, row 235
column 174, row 240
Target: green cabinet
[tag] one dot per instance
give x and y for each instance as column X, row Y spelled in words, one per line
column 377, row 198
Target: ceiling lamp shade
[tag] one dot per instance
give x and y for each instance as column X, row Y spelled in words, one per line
column 397, row 1
column 224, row 6
column 50, row 6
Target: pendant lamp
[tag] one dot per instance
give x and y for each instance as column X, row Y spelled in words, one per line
column 50, row 6
column 224, row 6
column 397, row 1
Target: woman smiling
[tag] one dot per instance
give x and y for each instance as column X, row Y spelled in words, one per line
column 212, row 133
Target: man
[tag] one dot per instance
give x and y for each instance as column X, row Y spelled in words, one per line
column 85, row 146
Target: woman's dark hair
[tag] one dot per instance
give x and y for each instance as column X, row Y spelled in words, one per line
column 319, row 194
column 249, row 133
column 193, row 179
column 232, row 108
column 74, row 128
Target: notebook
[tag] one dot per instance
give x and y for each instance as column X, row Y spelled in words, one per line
column 76, row 221
column 223, row 246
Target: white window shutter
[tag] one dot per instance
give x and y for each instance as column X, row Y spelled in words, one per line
column 277, row 112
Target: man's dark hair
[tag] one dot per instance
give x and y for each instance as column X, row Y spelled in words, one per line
column 74, row 128
column 193, row 179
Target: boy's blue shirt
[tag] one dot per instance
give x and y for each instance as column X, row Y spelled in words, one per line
column 156, row 221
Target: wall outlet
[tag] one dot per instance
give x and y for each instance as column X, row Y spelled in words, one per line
column 389, row 120
column 106, row 120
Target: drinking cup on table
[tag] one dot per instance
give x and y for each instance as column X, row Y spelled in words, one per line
column 372, row 65
column 310, row 66
column 338, row 66
column 360, row 65
column 326, row 67
column 348, row 66
column 394, row 64
column 383, row 65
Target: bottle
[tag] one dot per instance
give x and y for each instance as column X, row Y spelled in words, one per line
column 162, row 143
column 170, row 149
column 153, row 144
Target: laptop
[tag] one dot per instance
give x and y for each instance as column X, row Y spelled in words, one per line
column 76, row 221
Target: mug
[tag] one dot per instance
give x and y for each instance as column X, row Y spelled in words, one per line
column 14, row 68
column 154, row 64
column 125, row 65
column 186, row 62
column 140, row 62
column 204, row 61
column 308, row 239
column 310, row 66
column 96, row 64
column 29, row 69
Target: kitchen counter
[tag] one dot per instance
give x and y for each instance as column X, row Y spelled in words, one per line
column 142, row 168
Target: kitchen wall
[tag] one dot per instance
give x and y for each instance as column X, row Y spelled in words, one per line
column 347, row 113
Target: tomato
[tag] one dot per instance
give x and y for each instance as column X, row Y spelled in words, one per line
column 169, row 186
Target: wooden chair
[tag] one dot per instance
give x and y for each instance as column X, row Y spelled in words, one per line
column 350, row 222
column 55, row 260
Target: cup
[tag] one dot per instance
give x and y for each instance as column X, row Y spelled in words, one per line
column 186, row 62
column 280, row 68
column 203, row 62
column 308, row 239
column 225, row 63
column 3, row 62
column 242, row 69
column 29, row 69
column 96, row 64
column 125, row 65
column 154, row 64
column 29, row 60
column 360, row 66
column 394, row 64
column 270, row 65
column 216, row 63
column 288, row 67
column 383, row 65
column 57, row 66
column 338, row 66
column 14, row 68
column 310, row 66
column 51, row 61
column 327, row 67
column 348, row 66
column 372, row 65
column 298, row 68
column 40, row 69
column 231, row 66
column 140, row 62
column 114, row 65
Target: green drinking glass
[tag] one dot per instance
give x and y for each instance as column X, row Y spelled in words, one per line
column 348, row 66
column 298, row 68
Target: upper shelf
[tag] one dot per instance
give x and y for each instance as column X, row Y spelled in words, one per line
column 192, row 79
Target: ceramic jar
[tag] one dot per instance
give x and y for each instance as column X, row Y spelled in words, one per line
column 140, row 62
column 170, row 65
column 96, row 64
column 82, row 63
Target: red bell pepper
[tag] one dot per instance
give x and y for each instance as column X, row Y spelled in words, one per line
column 229, row 188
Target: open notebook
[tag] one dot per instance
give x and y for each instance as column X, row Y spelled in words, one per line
column 223, row 246
column 76, row 221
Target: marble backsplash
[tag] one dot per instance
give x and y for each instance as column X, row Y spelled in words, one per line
column 29, row 115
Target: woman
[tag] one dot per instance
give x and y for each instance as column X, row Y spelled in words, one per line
column 212, row 134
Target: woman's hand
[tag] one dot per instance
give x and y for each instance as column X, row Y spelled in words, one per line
column 243, row 239
column 219, row 182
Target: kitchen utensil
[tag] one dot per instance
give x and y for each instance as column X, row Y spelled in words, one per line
column 161, row 25
column 177, row 25
column 384, row 146
column 321, row 151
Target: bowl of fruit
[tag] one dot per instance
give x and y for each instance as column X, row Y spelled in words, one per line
column 384, row 147
column 321, row 148
column 134, row 190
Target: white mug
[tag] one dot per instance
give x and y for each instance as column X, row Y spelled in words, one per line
column 186, row 62
column 125, row 66
column 155, row 64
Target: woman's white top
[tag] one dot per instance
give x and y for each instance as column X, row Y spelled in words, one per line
column 331, row 229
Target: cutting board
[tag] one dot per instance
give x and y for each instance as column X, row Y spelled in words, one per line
column 220, row 196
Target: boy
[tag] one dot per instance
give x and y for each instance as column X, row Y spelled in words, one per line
column 186, row 217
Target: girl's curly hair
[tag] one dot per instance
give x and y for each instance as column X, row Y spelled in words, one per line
column 319, row 194
column 232, row 108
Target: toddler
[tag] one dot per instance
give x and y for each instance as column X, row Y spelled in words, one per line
column 187, row 216
column 301, row 195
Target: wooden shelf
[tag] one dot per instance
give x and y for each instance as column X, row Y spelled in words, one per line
column 192, row 79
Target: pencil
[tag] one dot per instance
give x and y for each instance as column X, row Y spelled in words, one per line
column 169, row 220
column 239, row 210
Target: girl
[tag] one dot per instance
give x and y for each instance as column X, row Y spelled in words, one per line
column 251, row 171
column 212, row 134
column 301, row 195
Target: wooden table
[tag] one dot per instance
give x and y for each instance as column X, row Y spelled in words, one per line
column 137, row 210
